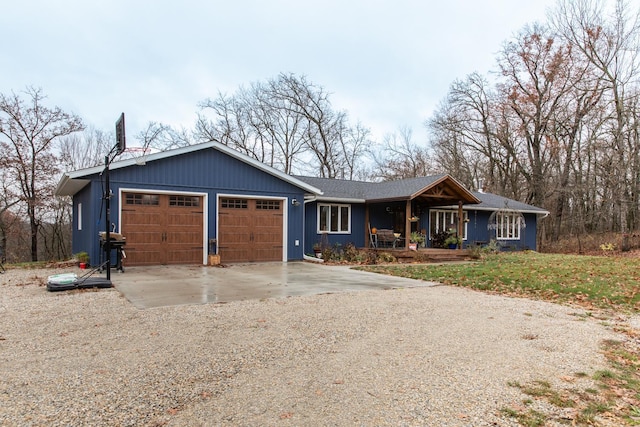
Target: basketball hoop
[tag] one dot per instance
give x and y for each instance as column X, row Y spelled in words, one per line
column 139, row 154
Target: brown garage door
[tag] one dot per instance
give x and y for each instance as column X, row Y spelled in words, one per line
column 162, row 229
column 250, row 230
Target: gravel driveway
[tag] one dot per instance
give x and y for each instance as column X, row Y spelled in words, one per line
column 422, row 356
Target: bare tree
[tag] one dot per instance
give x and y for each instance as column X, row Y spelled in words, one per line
column 288, row 123
column 610, row 41
column 84, row 150
column 160, row 137
column 400, row 157
column 8, row 200
column 29, row 130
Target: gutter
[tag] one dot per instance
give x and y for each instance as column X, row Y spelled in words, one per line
column 304, row 214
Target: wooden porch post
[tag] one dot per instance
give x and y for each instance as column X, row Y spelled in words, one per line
column 460, row 224
column 367, row 226
column 407, row 224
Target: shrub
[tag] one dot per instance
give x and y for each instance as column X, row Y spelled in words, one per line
column 439, row 238
column 386, row 257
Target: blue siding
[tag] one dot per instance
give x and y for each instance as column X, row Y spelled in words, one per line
column 478, row 231
column 205, row 171
column 311, row 235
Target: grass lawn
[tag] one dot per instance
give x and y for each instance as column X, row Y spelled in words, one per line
column 591, row 281
column 608, row 285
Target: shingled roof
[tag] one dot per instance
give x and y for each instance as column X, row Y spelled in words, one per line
column 438, row 189
column 492, row 202
column 404, row 189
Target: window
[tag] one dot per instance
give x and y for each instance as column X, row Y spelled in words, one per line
column 508, row 226
column 142, row 199
column 441, row 220
column 268, row 205
column 186, row 201
column 79, row 216
column 234, row 203
column 334, row 218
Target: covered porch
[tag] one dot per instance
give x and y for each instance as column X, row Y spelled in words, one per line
column 407, row 211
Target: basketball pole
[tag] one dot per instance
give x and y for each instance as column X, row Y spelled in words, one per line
column 107, row 198
column 116, row 150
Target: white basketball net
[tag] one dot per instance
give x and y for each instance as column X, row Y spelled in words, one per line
column 139, row 154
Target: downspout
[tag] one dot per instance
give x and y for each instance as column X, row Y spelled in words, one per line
column 304, row 229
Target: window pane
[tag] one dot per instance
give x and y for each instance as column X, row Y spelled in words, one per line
column 324, row 215
column 334, row 218
column 344, row 218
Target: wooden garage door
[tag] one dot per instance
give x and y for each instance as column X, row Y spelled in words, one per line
column 162, row 229
column 250, row 230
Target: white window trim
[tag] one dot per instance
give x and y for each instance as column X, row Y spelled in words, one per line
column 339, row 206
column 513, row 225
column 465, row 216
column 79, row 216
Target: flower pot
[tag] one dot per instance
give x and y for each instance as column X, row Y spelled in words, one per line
column 83, row 265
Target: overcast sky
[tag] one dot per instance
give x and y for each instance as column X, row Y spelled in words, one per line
column 387, row 63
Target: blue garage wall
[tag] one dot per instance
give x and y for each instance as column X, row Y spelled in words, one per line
column 83, row 240
column 205, row 171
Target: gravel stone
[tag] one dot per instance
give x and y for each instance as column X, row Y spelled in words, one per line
column 404, row 357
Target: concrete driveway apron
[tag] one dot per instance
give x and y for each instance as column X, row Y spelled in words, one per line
column 157, row 286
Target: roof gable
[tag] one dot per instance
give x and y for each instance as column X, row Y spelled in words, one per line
column 435, row 190
column 72, row 182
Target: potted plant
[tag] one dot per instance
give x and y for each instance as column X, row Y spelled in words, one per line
column 416, row 239
column 83, row 259
column 317, row 249
column 452, row 241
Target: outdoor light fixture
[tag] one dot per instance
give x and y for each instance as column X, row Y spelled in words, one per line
column 295, row 202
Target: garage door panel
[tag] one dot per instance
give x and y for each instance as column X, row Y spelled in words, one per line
column 141, row 256
column 250, row 230
column 184, row 219
column 166, row 232
column 145, row 219
column 267, row 237
column 234, row 254
column 183, row 256
column 142, row 236
column 269, row 254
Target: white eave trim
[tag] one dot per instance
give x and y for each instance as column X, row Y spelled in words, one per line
column 489, row 209
column 68, row 186
column 339, row 200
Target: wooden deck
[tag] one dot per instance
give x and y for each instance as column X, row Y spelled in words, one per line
column 426, row 254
